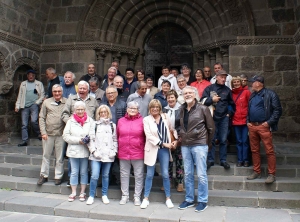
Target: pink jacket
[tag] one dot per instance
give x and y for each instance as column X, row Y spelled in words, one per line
column 131, row 137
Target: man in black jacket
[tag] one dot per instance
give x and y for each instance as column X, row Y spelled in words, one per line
column 91, row 73
column 264, row 112
column 219, row 96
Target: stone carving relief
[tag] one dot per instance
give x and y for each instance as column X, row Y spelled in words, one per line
column 5, row 85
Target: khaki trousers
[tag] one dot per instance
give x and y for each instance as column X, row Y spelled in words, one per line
column 53, row 143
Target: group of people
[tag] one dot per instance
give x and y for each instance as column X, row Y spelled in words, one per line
column 120, row 122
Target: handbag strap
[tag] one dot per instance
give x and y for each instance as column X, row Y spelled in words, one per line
column 238, row 95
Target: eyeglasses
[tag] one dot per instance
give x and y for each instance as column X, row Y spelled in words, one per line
column 132, row 108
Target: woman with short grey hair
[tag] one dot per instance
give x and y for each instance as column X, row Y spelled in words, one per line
column 131, row 140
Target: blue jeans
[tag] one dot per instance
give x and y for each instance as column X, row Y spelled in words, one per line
column 96, row 167
column 220, row 134
column 33, row 112
column 79, row 165
column 242, row 142
column 163, row 157
column 195, row 155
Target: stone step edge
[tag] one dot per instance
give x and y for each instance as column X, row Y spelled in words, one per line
column 16, row 201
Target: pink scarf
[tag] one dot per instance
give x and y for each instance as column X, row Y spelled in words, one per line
column 80, row 120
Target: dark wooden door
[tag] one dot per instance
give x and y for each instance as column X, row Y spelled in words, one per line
column 167, row 44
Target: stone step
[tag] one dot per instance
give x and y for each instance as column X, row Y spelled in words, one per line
column 281, row 159
column 215, row 182
column 260, row 199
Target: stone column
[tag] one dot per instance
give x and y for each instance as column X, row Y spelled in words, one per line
column 225, row 57
column 100, row 53
column 212, row 56
column 200, row 59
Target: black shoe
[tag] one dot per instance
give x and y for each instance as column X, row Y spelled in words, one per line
column 40, row 138
column 42, row 180
column 225, row 165
column 156, row 174
column 209, row 164
column 239, row 164
column 24, row 143
column 68, row 183
column 57, row 182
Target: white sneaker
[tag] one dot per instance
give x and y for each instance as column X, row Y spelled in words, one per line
column 169, row 203
column 124, row 200
column 90, row 201
column 137, row 201
column 145, row 204
column 105, row 200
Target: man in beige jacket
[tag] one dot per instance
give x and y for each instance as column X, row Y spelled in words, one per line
column 52, row 127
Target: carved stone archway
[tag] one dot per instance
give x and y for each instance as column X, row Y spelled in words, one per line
column 7, row 83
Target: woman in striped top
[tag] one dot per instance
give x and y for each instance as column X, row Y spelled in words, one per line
column 158, row 144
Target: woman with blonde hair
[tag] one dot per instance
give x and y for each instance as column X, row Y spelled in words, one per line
column 241, row 97
column 103, row 152
column 157, row 128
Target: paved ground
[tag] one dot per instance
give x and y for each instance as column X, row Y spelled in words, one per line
column 31, row 206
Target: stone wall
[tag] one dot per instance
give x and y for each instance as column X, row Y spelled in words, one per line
column 279, row 64
column 275, row 17
column 25, row 19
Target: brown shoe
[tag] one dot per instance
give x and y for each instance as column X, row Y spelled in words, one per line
column 42, row 180
column 162, row 188
column 253, row 176
column 270, row 179
column 239, row 164
column 246, row 164
column 57, row 182
column 180, row 187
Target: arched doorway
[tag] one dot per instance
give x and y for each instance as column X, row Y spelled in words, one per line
column 167, row 44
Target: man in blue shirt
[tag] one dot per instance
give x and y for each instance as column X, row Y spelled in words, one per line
column 263, row 116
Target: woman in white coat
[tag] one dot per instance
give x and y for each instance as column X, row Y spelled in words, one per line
column 157, row 128
column 79, row 130
column 103, row 152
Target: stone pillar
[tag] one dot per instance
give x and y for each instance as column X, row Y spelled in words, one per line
column 225, row 57
column 100, row 53
column 200, row 59
column 132, row 59
column 212, row 56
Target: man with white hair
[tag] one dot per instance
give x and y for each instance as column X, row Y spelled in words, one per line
column 111, row 74
column 82, row 95
column 52, row 126
column 197, row 131
column 68, row 85
column 116, row 65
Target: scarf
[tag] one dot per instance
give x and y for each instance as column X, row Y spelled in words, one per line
column 104, row 120
column 171, row 113
column 80, row 120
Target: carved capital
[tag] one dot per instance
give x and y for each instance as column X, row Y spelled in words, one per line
column 211, row 53
column 5, row 86
column 200, row 56
column 117, row 57
column 224, row 51
column 133, row 57
column 100, row 53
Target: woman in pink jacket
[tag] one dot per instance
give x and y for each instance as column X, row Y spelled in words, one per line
column 131, row 140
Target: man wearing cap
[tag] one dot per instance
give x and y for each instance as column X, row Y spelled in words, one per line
column 264, row 112
column 31, row 95
column 219, row 96
column 217, row 67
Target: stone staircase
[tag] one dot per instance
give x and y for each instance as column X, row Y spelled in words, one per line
column 20, row 168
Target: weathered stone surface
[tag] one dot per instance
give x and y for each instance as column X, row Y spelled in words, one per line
column 290, row 79
column 57, row 15
column 257, row 50
column 85, row 56
column 12, row 15
column 268, row 64
column 66, row 56
column 267, row 30
column 68, row 38
column 289, row 29
column 285, row 63
column 51, row 28
column 283, row 50
column 74, row 13
column 67, row 28
column 283, row 15
column 276, row 3
column 74, row 67
column 52, row 39
column 50, row 57
column 251, row 64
